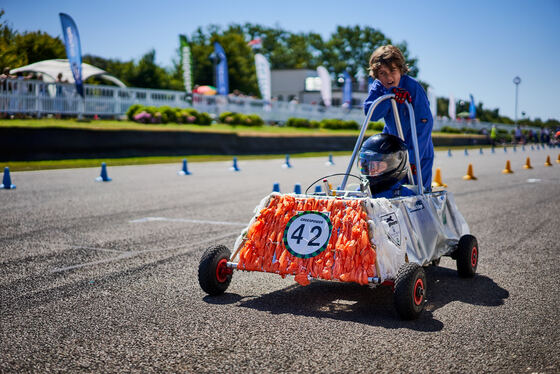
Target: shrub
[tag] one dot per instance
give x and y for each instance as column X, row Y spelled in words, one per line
column 238, row 119
column 302, row 123
column 451, row 130
column 376, row 126
column 133, row 110
column 337, row 124
column 168, row 114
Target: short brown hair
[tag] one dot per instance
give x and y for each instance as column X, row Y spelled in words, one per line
column 387, row 55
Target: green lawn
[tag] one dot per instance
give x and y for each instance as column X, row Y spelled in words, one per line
column 128, row 125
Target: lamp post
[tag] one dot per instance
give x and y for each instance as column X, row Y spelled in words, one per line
column 516, row 81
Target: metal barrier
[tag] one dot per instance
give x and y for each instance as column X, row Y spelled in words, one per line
column 39, row 98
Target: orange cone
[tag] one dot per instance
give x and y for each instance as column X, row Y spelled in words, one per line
column 437, row 179
column 507, row 170
column 548, row 163
column 527, row 164
column 470, row 175
column 558, row 159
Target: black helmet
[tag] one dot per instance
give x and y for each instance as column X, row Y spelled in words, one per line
column 383, row 160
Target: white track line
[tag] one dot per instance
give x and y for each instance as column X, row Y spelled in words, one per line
column 152, row 219
column 130, row 254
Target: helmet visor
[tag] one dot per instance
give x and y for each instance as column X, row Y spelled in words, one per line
column 373, row 164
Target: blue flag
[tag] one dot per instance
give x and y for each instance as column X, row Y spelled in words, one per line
column 73, row 50
column 347, row 89
column 472, row 109
column 221, row 70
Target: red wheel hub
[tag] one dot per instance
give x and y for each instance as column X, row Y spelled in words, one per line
column 418, row 291
column 222, row 271
column 474, row 257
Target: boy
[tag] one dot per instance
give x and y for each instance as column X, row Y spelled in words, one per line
column 388, row 67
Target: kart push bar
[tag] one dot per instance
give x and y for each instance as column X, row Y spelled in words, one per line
column 419, row 187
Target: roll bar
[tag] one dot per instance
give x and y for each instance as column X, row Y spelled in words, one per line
column 420, row 187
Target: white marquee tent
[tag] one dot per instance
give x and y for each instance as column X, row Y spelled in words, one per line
column 51, row 68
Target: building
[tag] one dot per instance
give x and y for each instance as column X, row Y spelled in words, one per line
column 305, row 86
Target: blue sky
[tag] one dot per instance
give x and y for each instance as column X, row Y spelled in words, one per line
column 463, row 47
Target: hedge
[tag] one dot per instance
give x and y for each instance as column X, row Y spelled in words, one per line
column 166, row 114
column 240, row 119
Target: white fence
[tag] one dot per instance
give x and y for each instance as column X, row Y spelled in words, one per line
column 40, row 98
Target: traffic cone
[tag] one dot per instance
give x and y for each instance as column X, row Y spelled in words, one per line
column 330, row 162
column 234, row 167
column 184, row 170
column 276, row 187
column 523, row 147
column 7, row 181
column 514, row 148
column 493, row 149
column 318, row 189
column 532, row 148
column 466, row 152
column 449, row 153
column 507, row 170
column 286, row 164
column 527, row 164
column 558, row 159
column 437, row 179
column 548, row 163
column 297, row 188
column 470, row 175
column 481, row 152
column 103, row 177
column 505, row 149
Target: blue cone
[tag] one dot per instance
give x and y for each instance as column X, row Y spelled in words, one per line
column 514, row 148
column 330, row 162
column 523, row 147
column 449, row 153
column 532, row 148
column 505, row 149
column 318, row 189
column 103, row 177
column 286, row 164
column 234, row 167
column 7, row 181
column 184, row 170
column 481, row 152
column 466, row 152
column 493, row 150
column 297, row 188
column 276, row 187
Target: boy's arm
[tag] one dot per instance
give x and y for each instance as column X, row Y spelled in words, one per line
column 375, row 92
column 424, row 120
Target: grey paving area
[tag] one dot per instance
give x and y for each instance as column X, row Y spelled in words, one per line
column 102, row 277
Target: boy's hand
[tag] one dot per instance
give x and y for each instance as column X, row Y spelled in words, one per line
column 401, row 95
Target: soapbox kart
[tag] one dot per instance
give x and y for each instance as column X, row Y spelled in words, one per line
column 346, row 235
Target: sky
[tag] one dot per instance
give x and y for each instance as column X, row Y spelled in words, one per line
column 463, row 47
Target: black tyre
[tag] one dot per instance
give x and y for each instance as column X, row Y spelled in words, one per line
column 410, row 291
column 213, row 274
column 467, row 254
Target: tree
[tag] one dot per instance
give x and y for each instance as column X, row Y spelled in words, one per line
column 350, row 47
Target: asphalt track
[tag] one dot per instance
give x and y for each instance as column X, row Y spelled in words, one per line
column 102, row 277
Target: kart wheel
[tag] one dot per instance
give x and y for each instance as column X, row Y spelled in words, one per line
column 436, row 262
column 467, row 256
column 410, row 291
column 213, row 274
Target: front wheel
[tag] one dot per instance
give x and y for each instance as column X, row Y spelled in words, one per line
column 410, row 291
column 213, row 274
column 467, row 256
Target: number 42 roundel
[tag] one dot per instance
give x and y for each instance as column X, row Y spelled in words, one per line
column 307, row 234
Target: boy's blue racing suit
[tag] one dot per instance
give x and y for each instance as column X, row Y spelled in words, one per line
column 424, row 122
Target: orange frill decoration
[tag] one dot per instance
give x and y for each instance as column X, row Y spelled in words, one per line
column 349, row 256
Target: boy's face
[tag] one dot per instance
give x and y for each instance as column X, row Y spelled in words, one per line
column 389, row 76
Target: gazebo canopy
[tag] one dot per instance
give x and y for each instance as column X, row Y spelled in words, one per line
column 51, row 68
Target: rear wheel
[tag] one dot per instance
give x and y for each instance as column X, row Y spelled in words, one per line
column 213, row 274
column 410, row 291
column 467, row 256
